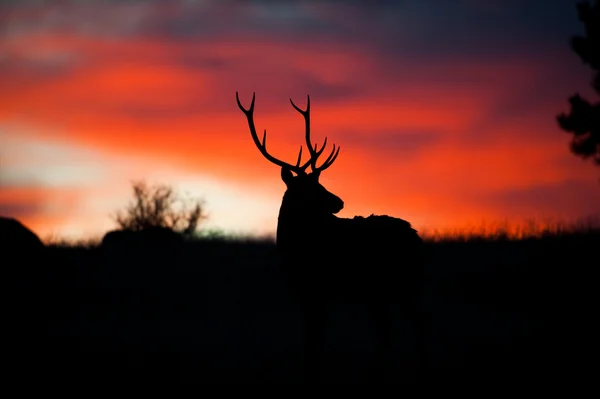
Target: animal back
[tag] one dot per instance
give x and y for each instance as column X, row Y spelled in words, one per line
column 385, row 231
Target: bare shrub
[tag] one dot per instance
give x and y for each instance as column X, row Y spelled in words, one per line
column 159, row 206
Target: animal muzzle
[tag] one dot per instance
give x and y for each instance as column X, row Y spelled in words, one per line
column 338, row 206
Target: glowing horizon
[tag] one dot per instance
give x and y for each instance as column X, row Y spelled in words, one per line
column 436, row 126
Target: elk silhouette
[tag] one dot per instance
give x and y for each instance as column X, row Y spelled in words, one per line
column 374, row 260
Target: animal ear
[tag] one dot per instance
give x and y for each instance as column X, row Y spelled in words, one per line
column 286, row 176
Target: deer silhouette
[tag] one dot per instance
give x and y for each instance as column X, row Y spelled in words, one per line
column 374, row 260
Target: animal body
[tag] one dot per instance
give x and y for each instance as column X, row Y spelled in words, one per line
column 373, row 260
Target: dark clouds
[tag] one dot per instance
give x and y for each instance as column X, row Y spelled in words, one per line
column 22, row 199
column 545, row 198
column 403, row 145
column 21, row 210
column 397, row 32
column 402, row 34
column 395, row 28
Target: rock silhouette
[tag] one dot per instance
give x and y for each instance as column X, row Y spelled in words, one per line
column 147, row 241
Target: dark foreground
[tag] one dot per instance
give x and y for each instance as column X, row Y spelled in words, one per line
column 219, row 312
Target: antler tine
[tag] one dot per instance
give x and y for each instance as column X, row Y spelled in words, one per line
column 262, row 147
column 314, row 153
column 250, row 110
column 305, row 165
column 299, row 158
column 319, row 152
column 329, row 161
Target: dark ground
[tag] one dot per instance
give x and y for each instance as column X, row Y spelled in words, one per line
column 219, row 312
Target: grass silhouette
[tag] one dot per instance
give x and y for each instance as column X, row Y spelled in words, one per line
column 499, row 307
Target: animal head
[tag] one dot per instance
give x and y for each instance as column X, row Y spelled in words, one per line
column 304, row 194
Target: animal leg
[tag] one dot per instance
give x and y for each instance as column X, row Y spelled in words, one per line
column 379, row 314
column 315, row 317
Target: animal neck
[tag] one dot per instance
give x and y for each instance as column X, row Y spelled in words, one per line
column 296, row 225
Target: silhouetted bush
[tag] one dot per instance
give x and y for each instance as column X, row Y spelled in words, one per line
column 159, row 206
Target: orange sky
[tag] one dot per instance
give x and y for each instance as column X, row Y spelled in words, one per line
column 95, row 96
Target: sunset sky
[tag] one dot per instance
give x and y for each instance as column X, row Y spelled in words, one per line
column 445, row 111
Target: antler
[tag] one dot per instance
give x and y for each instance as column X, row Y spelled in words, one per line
column 314, row 153
column 263, row 146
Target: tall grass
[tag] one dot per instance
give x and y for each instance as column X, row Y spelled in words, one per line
column 507, row 230
column 514, row 230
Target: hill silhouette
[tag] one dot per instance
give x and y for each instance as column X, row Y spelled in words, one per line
column 219, row 311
